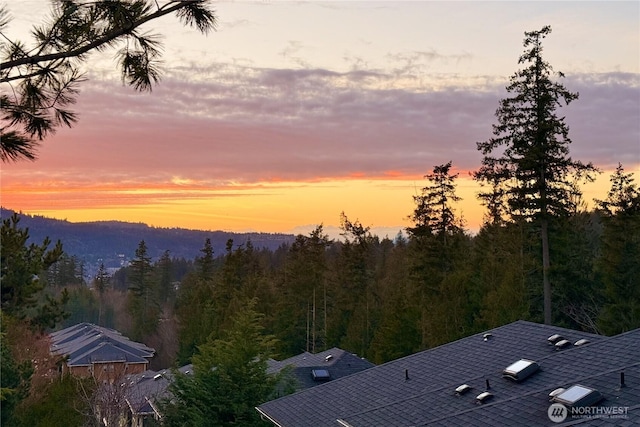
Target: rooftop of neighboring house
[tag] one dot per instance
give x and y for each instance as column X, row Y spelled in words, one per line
column 310, row 370
column 85, row 344
column 143, row 391
column 522, row 363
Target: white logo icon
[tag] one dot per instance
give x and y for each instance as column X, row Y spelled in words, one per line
column 557, row 412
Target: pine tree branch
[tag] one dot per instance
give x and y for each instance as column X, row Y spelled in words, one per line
column 105, row 39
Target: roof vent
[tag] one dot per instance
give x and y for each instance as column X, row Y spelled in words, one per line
column 329, row 357
column 555, row 392
column 483, row 397
column 555, row 338
column 583, row 341
column 157, row 377
column 320, row 375
column 578, row 396
column 562, row 344
column 520, row 370
column 463, row 389
column 487, row 336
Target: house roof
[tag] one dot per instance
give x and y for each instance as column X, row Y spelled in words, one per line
column 337, row 363
column 86, row 343
column 419, row 390
column 145, row 389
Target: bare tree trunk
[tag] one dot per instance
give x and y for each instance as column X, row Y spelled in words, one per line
column 326, row 340
column 545, row 271
column 307, row 346
column 313, row 330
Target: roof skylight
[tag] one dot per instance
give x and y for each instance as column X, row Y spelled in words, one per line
column 578, row 395
column 320, row 374
column 520, row 370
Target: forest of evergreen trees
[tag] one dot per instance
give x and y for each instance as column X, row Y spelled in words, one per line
column 379, row 298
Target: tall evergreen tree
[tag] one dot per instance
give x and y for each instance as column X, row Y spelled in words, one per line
column 354, row 287
column 21, row 266
column 435, row 221
column 438, row 244
column 14, row 381
column 500, row 269
column 434, row 212
column 528, row 157
column 623, row 198
column 165, row 287
column 67, row 271
column 618, row 266
column 397, row 333
column 195, row 304
column 230, row 378
column 100, row 283
column 300, row 314
column 143, row 304
column 205, row 263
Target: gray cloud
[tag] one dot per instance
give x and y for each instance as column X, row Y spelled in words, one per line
column 232, row 122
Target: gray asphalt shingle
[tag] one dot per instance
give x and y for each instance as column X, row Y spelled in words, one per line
column 337, row 362
column 381, row 396
column 86, row 343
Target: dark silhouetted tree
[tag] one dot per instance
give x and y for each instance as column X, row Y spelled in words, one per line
column 618, row 265
column 300, row 316
column 527, row 161
column 143, row 304
column 439, row 249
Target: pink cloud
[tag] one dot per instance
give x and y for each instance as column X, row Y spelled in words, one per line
column 236, row 123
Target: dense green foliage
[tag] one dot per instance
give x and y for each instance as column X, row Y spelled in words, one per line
column 383, row 298
column 14, row 380
column 143, row 302
column 618, row 265
column 20, row 266
column 62, row 405
column 230, row 378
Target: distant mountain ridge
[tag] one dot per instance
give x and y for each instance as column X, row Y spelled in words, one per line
column 110, row 242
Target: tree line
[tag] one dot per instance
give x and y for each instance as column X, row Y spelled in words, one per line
column 380, row 298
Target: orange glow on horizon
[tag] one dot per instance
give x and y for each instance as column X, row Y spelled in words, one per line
column 265, row 206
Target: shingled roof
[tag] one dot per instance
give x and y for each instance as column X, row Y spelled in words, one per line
column 144, row 390
column 419, row 390
column 335, row 362
column 86, row 343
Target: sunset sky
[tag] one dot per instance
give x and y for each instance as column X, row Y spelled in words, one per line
column 293, row 112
